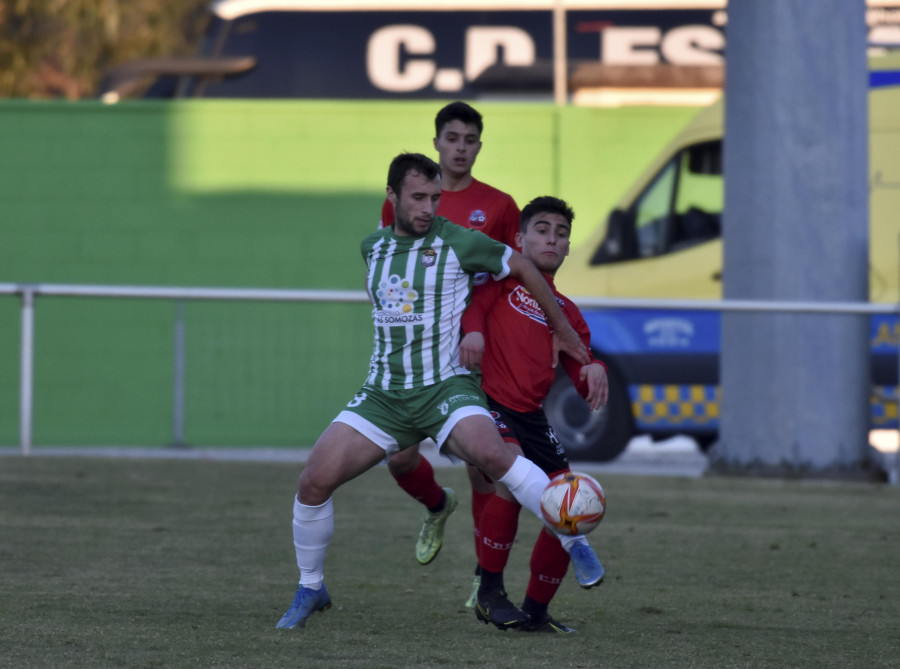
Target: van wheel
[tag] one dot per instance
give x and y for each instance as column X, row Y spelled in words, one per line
column 596, row 437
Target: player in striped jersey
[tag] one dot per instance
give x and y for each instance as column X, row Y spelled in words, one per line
column 419, row 277
column 472, row 204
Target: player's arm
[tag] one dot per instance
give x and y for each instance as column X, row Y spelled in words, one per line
column 528, row 275
column 471, row 350
column 591, row 380
column 597, row 380
column 474, row 324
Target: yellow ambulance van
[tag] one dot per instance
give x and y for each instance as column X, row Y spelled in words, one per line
column 663, row 240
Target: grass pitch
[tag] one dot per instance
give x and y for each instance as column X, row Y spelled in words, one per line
column 173, row 563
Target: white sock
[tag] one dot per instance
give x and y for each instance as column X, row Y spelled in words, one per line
column 568, row 541
column 526, row 481
column 313, row 526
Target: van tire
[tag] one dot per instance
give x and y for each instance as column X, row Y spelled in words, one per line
column 588, row 436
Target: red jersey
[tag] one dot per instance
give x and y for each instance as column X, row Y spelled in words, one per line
column 477, row 206
column 518, row 343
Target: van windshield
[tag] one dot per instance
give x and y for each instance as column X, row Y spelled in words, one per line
column 682, row 206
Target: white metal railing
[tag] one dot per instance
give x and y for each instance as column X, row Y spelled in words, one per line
column 29, row 292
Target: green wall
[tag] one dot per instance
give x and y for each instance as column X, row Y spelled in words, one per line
column 239, row 194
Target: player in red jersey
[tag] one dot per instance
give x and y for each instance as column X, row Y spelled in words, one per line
column 507, row 334
column 465, row 200
column 472, row 204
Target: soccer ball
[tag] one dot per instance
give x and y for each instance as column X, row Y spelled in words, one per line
column 573, row 503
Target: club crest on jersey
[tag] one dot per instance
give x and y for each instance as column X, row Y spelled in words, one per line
column 428, row 258
column 477, row 219
column 522, row 301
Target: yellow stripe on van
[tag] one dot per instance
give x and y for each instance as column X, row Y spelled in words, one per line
column 700, row 405
column 674, row 404
column 883, row 406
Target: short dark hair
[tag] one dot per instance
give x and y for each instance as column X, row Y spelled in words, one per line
column 545, row 204
column 411, row 162
column 457, row 111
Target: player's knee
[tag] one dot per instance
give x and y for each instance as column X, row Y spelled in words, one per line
column 313, row 490
column 479, row 481
column 495, row 459
column 404, row 462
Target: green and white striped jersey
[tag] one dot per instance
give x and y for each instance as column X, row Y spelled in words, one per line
column 419, row 287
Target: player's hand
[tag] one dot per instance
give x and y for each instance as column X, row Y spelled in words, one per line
column 598, row 385
column 471, row 348
column 570, row 343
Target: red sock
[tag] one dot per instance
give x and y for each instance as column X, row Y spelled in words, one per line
column 420, row 484
column 549, row 563
column 499, row 522
column 479, row 500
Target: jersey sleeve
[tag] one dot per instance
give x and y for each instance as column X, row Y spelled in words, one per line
column 504, row 270
column 479, row 253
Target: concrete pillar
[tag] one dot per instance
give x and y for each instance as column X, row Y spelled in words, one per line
column 795, row 386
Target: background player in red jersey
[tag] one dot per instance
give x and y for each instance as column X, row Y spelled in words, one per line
column 464, row 199
column 508, row 335
column 472, row 204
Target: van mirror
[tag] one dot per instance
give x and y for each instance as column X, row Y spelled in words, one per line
column 620, row 242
